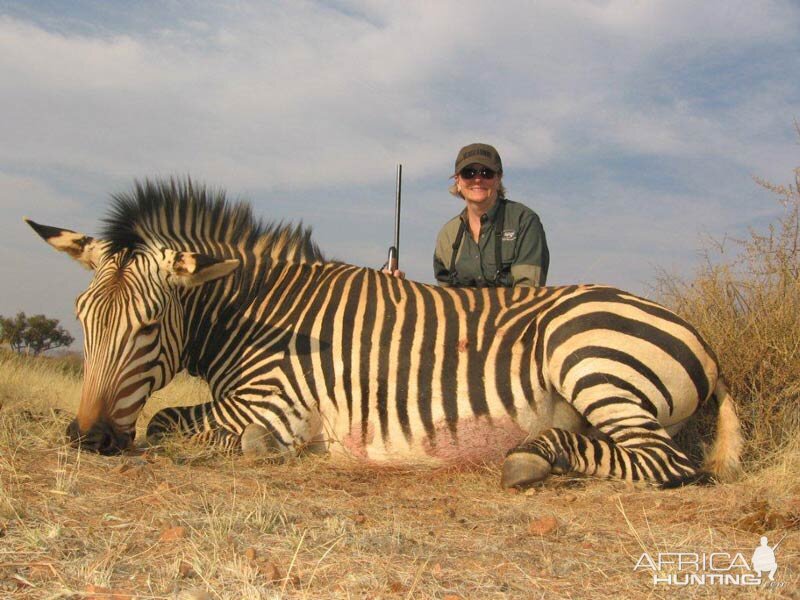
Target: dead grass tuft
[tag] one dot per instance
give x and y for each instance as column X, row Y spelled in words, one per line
column 746, row 304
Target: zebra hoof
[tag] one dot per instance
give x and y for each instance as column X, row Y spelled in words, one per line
column 258, row 442
column 317, row 446
column 523, row 469
column 155, row 437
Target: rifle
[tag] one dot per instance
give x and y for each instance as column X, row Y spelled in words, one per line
column 393, row 262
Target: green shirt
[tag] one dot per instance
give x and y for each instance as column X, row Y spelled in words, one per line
column 524, row 254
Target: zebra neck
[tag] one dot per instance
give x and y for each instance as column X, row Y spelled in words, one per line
column 243, row 318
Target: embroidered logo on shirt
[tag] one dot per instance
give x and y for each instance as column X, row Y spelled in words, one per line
column 509, row 235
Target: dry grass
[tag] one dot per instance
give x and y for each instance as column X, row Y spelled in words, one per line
column 745, row 300
column 182, row 522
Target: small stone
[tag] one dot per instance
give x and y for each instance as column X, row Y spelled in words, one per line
column 153, row 500
column 270, row 571
column 543, row 526
column 396, row 587
column 172, row 534
column 96, row 592
column 39, row 572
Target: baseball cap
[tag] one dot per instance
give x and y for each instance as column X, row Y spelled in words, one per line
column 482, row 154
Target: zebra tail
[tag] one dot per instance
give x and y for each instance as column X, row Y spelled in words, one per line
column 723, row 460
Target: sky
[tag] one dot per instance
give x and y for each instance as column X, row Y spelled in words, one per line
column 633, row 128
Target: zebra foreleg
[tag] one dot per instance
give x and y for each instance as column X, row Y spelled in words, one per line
column 197, row 423
column 632, row 453
column 268, row 425
column 181, row 420
column 272, row 426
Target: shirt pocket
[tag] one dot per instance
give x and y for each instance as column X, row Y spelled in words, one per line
column 508, row 245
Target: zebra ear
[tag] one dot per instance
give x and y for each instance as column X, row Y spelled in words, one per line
column 191, row 269
column 83, row 248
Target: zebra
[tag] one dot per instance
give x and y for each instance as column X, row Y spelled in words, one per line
column 306, row 351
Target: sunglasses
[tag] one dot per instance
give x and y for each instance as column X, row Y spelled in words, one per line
column 471, row 173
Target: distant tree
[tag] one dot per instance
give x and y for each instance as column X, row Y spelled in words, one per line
column 35, row 334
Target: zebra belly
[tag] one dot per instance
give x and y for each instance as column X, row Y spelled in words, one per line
column 476, row 439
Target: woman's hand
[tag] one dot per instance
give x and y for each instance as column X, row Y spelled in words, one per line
column 396, row 273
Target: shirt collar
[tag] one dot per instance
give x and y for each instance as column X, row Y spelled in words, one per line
column 489, row 216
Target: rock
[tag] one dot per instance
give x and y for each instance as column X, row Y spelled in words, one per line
column 172, row 534
column 396, row 587
column 40, row 572
column 186, row 570
column 270, row 571
column 96, row 592
column 543, row 525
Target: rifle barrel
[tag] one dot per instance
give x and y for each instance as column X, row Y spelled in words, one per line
column 397, row 212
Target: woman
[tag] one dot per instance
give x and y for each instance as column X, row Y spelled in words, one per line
column 493, row 242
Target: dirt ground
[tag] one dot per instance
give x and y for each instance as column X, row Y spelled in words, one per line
column 181, row 522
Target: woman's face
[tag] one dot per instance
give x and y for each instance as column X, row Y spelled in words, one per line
column 478, row 189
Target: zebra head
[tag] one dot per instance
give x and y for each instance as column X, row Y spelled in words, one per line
column 132, row 321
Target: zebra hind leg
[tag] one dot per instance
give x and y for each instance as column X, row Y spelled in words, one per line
column 637, row 449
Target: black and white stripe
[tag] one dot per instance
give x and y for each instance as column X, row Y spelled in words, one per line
column 390, row 369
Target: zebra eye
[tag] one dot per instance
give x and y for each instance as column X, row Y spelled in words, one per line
column 149, row 328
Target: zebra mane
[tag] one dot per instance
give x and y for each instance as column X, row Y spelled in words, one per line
column 184, row 215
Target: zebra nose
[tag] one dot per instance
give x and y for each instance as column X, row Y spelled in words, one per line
column 74, row 432
column 100, row 438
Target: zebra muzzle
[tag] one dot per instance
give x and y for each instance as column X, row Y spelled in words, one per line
column 101, row 438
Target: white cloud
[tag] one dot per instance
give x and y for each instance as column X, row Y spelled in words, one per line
column 240, row 88
column 293, row 103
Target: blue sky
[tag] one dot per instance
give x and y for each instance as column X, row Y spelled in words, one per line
column 634, row 129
